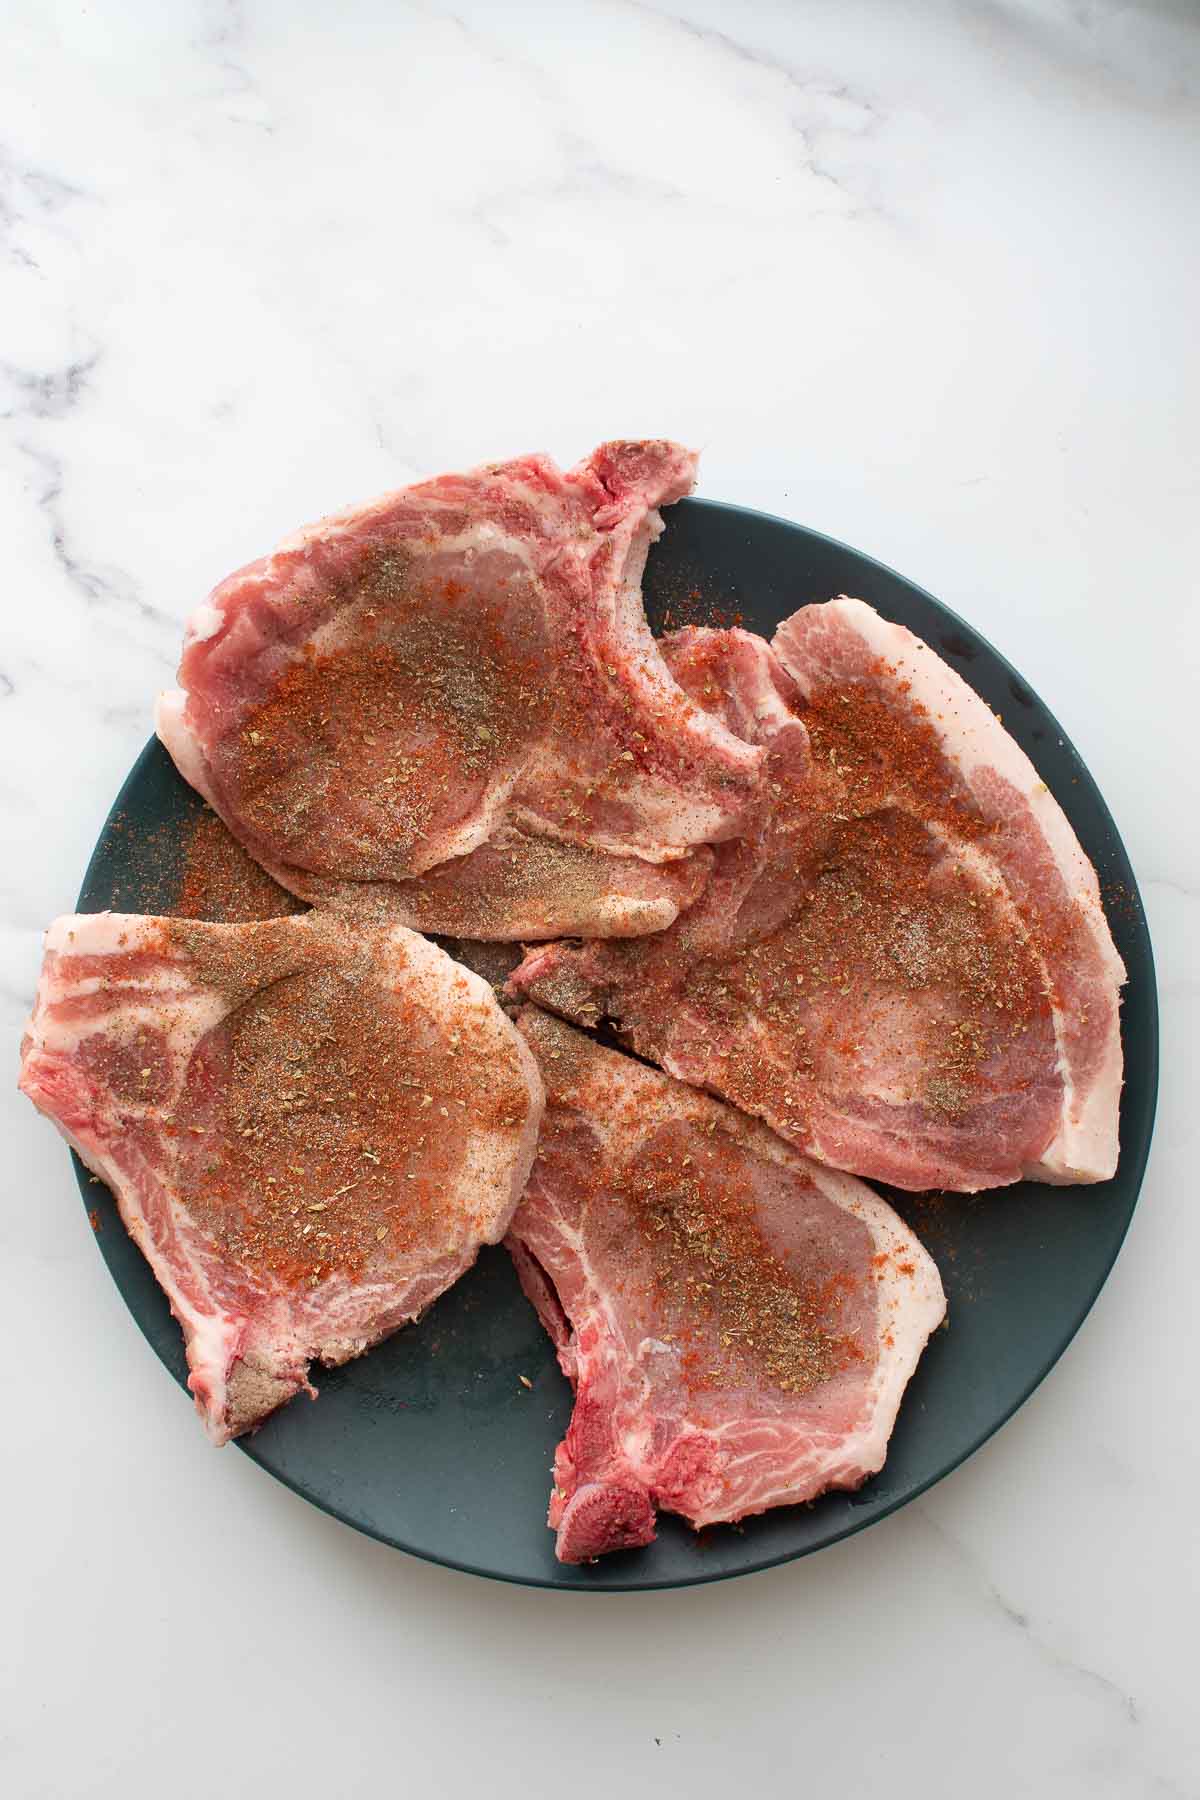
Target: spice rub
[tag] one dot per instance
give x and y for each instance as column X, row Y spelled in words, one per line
column 738, row 1323
column 310, row 1131
column 395, row 688
column 324, row 1128
column 219, row 882
column 372, row 752
column 859, row 973
column 739, row 1311
column 520, row 885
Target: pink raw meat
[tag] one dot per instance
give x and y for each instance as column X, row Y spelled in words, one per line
column 396, row 684
column 519, row 887
column 905, row 969
column 739, row 1324
column 1023, row 842
column 309, row 1133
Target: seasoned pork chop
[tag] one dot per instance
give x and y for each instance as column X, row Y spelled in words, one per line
column 309, row 1133
column 904, row 968
column 396, row 684
column 946, row 757
column 739, row 1324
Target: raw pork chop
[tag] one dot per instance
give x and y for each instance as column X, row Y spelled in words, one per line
column 905, row 970
column 948, row 757
column 520, row 887
column 396, row 683
column 739, row 1323
column 309, row 1134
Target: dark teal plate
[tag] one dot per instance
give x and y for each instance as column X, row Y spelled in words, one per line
column 432, row 1442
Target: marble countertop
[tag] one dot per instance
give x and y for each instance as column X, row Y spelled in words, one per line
column 923, row 275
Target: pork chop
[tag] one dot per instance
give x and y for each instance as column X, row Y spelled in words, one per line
column 739, row 1323
column 397, row 683
column 904, row 968
column 520, row 887
column 947, row 758
column 309, row 1133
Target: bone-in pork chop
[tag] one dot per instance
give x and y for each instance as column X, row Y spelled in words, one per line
column 396, row 684
column 309, row 1133
column 739, row 1324
column 945, row 756
column 905, row 969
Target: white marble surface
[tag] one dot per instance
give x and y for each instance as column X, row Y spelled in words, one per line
column 923, row 275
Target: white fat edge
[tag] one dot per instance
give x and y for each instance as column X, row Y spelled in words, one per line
column 181, row 742
column 193, row 1013
column 1086, row 1147
column 617, row 915
column 202, row 624
column 100, row 933
column 191, row 1018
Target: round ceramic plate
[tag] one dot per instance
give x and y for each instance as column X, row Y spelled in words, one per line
column 432, row 1442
